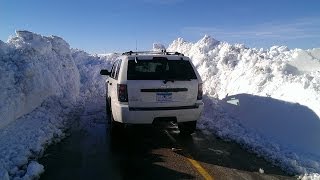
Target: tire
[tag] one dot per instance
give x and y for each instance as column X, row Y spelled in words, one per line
column 187, row 128
column 108, row 107
column 115, row 127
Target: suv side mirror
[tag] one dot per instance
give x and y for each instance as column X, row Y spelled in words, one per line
column 105, row 72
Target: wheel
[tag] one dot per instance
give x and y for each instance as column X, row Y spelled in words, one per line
column 116, row 135
column 108, row 107
column 115, row 127
column 187, row 128
column 108, row 112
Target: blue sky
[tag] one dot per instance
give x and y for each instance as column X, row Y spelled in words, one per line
column 113, row 26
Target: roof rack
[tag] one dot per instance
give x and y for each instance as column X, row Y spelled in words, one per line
column 163, row 52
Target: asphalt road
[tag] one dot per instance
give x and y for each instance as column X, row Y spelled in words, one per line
column 148, row 152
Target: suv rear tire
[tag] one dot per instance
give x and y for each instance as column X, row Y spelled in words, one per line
column 108, row 107
column 187, row 128
column 115, row 127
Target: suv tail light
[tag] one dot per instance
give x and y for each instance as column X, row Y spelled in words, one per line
column 200, row 91
column 122, row 93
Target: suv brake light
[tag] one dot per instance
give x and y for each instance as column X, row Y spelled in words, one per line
column 122, row 93
column 200, row 91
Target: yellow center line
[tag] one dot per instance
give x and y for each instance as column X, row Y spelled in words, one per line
column 200, row 169
column 193, row 162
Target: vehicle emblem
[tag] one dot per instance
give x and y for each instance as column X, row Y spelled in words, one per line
column 164, row 86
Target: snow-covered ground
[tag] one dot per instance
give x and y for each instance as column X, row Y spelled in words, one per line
column 266, row 100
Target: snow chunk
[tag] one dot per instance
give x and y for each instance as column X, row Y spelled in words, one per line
column 4, row 174
column 31, row 41
column 207, row 43
column 306, row 60
column 158, row 47
column 179, row 44
column 261, row 171
column 3, row 48
column 313, row 176
column 34, row 170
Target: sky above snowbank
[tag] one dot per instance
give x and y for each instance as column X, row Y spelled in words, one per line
column 109, row 26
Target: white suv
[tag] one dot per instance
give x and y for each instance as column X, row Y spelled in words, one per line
column 144, row 87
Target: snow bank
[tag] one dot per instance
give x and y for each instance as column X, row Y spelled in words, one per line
column 267, row 100
column 33, row 68
column 24, row 140
column 41, row 94
column 92, row 83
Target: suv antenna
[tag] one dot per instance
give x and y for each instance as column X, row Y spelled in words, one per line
column 135, row 59
column 136, row 45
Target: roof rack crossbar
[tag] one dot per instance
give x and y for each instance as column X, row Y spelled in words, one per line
column 152, row 52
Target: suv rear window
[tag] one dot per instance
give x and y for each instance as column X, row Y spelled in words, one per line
column 160, row 70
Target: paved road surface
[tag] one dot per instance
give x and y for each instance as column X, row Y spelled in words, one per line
column 148, row 152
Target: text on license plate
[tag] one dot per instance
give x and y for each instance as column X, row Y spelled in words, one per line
column 164, row 97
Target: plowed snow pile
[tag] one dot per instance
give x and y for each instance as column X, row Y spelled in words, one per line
column 43, row 86
column 267, row 100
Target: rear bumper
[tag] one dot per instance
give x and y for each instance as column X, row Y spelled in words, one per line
column 145, row 115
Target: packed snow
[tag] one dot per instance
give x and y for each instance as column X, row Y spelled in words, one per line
column 314, row 176
column 34, row 169
column 34, row 68
column 44, row 86
column 266, row 100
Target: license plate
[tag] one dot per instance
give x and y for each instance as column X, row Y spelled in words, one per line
column 164, row 97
